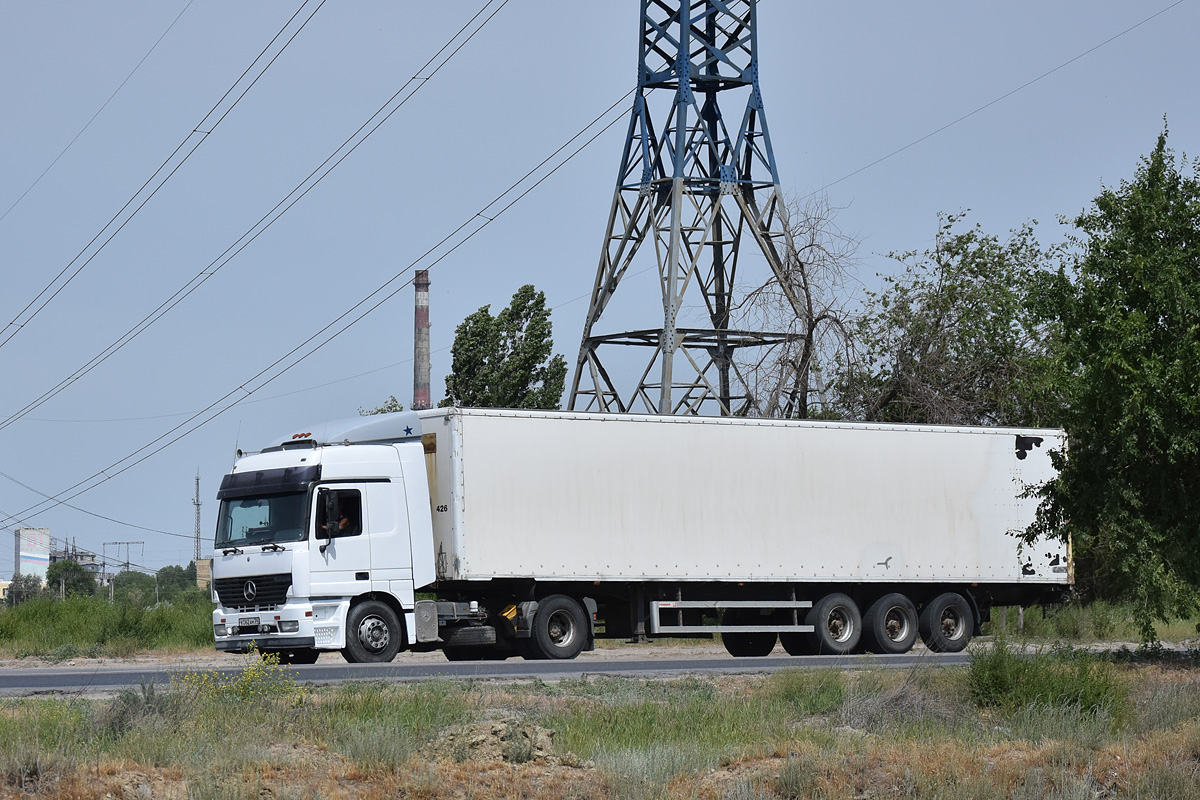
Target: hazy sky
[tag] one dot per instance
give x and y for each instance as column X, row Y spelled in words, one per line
column 844, row 84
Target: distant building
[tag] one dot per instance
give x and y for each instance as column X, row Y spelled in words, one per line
column 32, row 551
column 4, row 591
column 204, row 573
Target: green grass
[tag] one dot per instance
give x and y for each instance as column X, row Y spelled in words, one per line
column 91, row 627
column 999, row 676
column 1098, row 621
column 1060, row 724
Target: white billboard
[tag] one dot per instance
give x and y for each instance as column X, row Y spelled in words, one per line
column 33, row 551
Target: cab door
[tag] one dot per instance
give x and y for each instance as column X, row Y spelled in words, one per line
column 341, row 548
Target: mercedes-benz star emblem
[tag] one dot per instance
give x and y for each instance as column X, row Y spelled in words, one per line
column 250, row 590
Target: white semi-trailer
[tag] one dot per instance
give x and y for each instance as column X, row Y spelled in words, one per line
column 491, row 533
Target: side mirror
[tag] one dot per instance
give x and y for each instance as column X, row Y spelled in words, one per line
column 331, row 515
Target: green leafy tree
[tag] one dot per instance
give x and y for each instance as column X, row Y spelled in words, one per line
column 390, row 406
column 956, row 338
column 24, row 587
column 174, row 582
column 134, row 587
column 1128, row 495
column 70, row 578
column 507, row 361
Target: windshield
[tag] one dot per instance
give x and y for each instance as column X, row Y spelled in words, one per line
column 261, row 520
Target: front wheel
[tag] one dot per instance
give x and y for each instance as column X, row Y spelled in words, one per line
column 372, row 633
column 890, row 624
column 560, row 628
column 946, row 623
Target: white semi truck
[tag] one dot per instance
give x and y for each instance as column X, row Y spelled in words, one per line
column 491, row 533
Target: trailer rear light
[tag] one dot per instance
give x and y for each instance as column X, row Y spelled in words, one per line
column 219, row 629
column 289, row 625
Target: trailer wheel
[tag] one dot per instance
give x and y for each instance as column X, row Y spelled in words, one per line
column 372, row 633
column 305, row 655
column 560, row 628
column 946, row 623
column 890, row 624
column 796, row 644
column 742, row 645
column 837, row 625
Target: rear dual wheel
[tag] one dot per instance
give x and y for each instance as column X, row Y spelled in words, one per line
column 837, row 625
column 890, row 625
column 946, row 623
column 753, row 644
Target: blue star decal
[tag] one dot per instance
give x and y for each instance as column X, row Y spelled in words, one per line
column 408, row 431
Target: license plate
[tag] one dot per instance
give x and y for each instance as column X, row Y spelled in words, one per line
column 246, row 622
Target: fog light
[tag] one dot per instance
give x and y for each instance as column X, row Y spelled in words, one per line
column 289, row 625
column 218, row 629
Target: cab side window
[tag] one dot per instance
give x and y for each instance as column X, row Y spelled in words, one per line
column 348, row 503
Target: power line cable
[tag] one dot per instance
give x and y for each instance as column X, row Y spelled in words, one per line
column 198, row 135
column 121, row 522
column 301, row 189
column 88, row 124
column 1004, row 96
column 376, row 299
column 908, row 146
column 56, row 499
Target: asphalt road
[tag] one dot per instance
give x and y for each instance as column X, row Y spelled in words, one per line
column 84, row 679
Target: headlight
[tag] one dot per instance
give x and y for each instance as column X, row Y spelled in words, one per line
column 289, row 625
column 219, row 629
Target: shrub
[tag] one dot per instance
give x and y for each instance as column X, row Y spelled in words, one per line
column 808, row 691
column 1002, row 678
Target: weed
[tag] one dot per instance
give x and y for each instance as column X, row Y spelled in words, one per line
column 132, row 706
column 808, row 691
column 799, row 779
column 1002, row 678
column 643, row 773
column 1163, row 704
column 261, row 676
column 1170, row 783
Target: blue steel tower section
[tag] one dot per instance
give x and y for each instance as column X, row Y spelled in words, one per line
column 692, row 194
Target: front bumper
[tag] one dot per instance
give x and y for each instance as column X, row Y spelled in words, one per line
column 296, row 624
column 265, row 644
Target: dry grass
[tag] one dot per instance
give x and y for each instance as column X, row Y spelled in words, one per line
column 796, row 734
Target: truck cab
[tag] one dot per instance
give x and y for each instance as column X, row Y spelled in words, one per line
column 318, row 548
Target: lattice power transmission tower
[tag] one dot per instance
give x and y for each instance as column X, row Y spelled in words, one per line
column 696, row 198
column 197, row 504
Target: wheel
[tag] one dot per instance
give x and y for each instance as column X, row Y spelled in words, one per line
column 372, row 633
column 743, row 645
column 837, row 625
column 946, row 623
column 468, row 636
column 796, row 644
column 755, row 645
column 305, row 655
column 890, row 624
column 476, row 653
column 560, row 628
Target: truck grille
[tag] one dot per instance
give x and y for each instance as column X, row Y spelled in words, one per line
column 253, row 592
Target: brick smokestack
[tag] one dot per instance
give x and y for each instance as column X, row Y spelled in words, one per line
column 421, row 341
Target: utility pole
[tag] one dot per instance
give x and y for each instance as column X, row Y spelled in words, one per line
column 698, row 199
column 196, row 503
column 118, row 545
